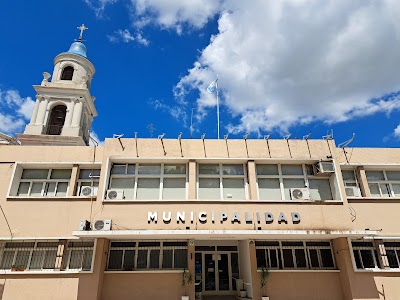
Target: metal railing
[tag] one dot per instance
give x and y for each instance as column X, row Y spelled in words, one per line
column 54, row 129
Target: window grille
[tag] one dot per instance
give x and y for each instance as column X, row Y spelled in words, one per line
column 294, row 255
column 147, row 255
column 222, row 181
column 275, row 182
column 78, row 255
column 44, row 182
column 383, row 183
column 365, row 255
column 150, row 181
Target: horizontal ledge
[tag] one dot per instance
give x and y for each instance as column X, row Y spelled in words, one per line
column 144, row 272
column 302, row 271
column 43, row 272
column 224, row 234
column 200, row 201
column 55, row 199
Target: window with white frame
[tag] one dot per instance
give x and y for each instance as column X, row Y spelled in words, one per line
column 88, row 182
column 294, row 255
column 42, row 255
column 393, row 253
column 145, row 255
column 149, row 181
column 383, row 183
column 44, row 183
column 365, row 255
column 78, row 255
column 222, row 181
column 350, row 178
column 276, row 181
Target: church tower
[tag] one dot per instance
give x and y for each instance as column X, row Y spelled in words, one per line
column 64, row 108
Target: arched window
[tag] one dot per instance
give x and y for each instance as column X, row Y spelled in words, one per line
column 57, row 119
column 67, row 73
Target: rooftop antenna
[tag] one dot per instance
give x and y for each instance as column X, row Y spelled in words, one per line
column 245, row 142
column 286, row 137
column 151, row 129
column 226, row 143
column 266, row 137
column 245, row 136
column 180, row 136
column 137, row 152
column 226, row 136
column 328, row 136
column 344, row 144
column 306, row 137
column 160, row 137
column 191, row 123
column 203, row 136
column 180, row 143
column 204, row 144
column 119, row 136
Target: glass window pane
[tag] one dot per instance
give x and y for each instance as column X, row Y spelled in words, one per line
column 127, row 184
column 62, row 189
column 22, row 258
column 288, row 258
column 348, row 175
column 292, row 170
column 50, row 259
column 357, row 259
column 76, row 259
column 313, row 258
column 149, row 169
column 131, row 169
column 261, row 261
column 267, row 170
column 142, row 259
column 233, row 189
column 385, row 190
column 396, row 189
column 36, row 190
column 115, row 260
column 391, row 255
column 320, row 189
column 269, row 189
column 232, row 170
column 87, row 260
column 129, row 260
column 35, row 174
column 367, row 258
column 393, row 175
column 374, row 175
column 300, row 258
column 148, row 188
column 209, row 169
column 292, row 183
column 118, row 169
column 7, row 259
column 327, row 260
column 61, row 174
column 209, row 188
column 154, row 259
column 23, row 189
column 174, row 169
column 174, row 188
column 374, row 189
column 272, row 256
column 180, row 258
column 37, row 260
column 50, row 189
column 167, row 259
column 86, row 174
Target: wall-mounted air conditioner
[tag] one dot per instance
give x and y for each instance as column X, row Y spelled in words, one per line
column 352, row 191
column 102, row 225
column 325, row 167
column 115, row 194
column 300, row 194
column 84, row 225
column 87, row 191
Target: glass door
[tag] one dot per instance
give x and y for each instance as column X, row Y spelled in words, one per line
column 209, row 272
column 223, row 272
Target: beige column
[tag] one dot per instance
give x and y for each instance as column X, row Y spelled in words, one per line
column 345, row 266
column 76, row 119
column 73, row 181
column 255, row 282
column 191, row 262
column 192, row 180
column 70, row 112
column 42, row 111
column 252, row 179
column 362, row 179
column 35, row 111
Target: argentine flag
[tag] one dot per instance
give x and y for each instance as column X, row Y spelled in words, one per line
column 213, row 86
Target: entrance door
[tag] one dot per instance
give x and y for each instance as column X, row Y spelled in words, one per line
column 216, row 272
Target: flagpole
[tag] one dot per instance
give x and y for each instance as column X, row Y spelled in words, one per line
column 217, row 108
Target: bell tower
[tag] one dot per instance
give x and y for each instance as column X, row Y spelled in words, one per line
column 64, row 109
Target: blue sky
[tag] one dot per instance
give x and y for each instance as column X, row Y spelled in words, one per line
column 284, row 66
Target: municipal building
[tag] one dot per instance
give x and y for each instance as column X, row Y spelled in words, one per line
column 135, row 217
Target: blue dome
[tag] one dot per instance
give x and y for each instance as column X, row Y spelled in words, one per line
column 78, row 48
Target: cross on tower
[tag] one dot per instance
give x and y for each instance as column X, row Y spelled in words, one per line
column 82, row 28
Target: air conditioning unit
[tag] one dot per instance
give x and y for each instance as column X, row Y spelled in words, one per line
column 84, row 225
column 115, row 194
column 352, row 191
column 102, row 225
column 87, row 191
column 325, row 167
column 300, row 194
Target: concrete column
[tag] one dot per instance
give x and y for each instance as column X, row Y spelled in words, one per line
column 76, row 119
column 192, row 180
column 191, row 262
column 70, row 112
column 362, row 179
column 42, row 111
column 73, row 181
column 252, row 178
column 35, row 111
column 345, row 265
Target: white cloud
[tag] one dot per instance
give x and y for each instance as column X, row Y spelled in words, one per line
column 288, row 62
column 94, row 136
column 98, row 6
column 126, row 36
column 176, row 112
column 397, row 131
column 15, row 111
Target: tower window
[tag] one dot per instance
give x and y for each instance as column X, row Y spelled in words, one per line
column 67, row 73
column 57, row 119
